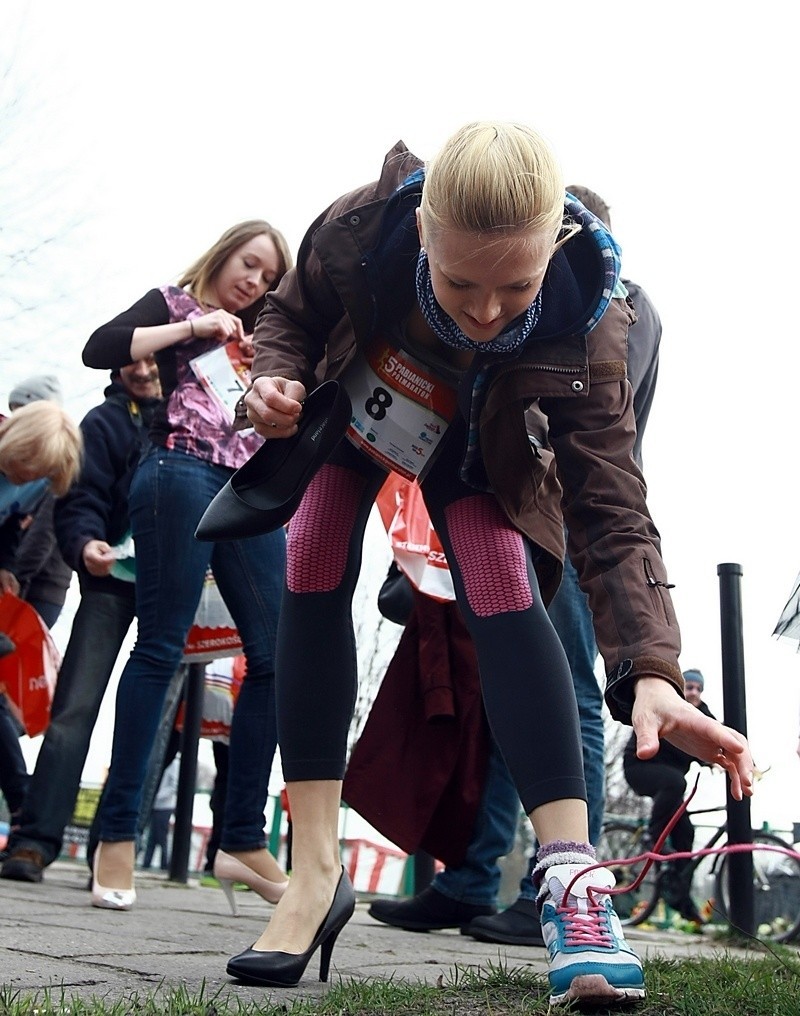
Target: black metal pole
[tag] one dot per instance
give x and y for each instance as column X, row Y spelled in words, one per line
column 741, row 908
column 187, row 775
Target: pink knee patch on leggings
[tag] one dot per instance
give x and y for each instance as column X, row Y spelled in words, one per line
column 490, row 555
column 318, row 541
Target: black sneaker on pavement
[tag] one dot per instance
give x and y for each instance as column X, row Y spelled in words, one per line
column 23, row 865
column 519, row 925
column 428, row 911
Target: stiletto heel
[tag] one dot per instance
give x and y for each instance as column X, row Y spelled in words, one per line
column 226, row 885
column 105, row 898
column 228, row 869
column 325, row 953
column 284, row 970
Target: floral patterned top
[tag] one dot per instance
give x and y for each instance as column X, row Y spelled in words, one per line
column 189, row 419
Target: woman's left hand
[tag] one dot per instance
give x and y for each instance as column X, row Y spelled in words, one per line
column 218, row 324
column 658, row 712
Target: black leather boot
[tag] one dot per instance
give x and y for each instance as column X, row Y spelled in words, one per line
column 519, row 925
column 430, row 910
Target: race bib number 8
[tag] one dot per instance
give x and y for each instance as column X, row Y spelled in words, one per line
column 401, row 409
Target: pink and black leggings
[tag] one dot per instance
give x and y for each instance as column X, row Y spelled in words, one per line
column 525, row 679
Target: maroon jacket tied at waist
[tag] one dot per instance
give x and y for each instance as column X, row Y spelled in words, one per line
column 417, row 772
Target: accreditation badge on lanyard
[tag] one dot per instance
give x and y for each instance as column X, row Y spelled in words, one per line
column 223, row 375
column 401, row 409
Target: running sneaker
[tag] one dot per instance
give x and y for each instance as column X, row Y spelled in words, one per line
column 590, row 961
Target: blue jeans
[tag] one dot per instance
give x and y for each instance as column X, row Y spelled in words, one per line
column 169, row 493
column 99, row 628
column 572, row 619
column 477, row 879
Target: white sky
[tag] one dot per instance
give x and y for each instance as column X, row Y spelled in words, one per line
column 141, row 132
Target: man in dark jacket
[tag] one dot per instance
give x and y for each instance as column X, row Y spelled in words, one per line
column 90, row 522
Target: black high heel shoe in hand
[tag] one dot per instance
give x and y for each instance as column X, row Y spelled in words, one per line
column 264, row 493
column 284, row 970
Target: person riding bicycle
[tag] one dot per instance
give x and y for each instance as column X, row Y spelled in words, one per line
column 663, row 777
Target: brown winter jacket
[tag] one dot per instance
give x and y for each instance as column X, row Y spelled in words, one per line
column 575, row 386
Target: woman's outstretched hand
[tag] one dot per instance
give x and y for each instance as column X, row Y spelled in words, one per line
column 274, row 405
column 659, row 713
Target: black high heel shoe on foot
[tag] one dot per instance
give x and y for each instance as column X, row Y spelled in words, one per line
column 284, row 970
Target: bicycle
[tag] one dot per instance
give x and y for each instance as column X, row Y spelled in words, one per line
column 776, row 877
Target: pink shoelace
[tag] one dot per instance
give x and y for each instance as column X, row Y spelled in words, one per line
column 586, row 928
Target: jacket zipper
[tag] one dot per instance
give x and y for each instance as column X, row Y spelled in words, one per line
column 508, row 368
column 656, row 586
column 652, row 581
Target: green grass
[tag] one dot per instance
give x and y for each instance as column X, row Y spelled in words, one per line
column 724, row 986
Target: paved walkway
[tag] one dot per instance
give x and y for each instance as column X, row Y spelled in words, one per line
column 180, row 935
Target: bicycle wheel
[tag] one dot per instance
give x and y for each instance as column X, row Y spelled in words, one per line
column 776, row 888
column 621, row 839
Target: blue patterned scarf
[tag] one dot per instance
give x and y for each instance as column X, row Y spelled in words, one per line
column 447, row 331
column 510, row 340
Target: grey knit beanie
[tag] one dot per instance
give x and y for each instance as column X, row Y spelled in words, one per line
column 35, row 389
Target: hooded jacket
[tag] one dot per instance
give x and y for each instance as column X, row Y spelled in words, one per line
column 355, row 270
